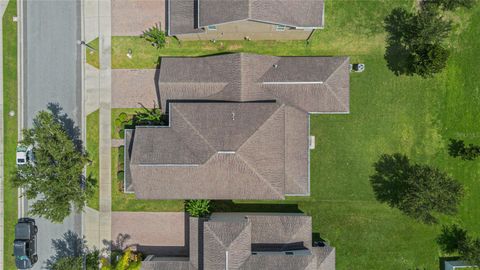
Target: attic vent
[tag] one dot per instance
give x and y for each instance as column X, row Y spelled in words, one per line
column 311, row 142
column 233, row 116
column 275, row 66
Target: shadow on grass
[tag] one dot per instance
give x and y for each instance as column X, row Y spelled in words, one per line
column 230, row 206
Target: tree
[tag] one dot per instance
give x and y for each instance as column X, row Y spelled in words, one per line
column 452, row 238
column 55, row 178
column 451, row 4
column 457, row 148
column 198, row 208
column 455, row 239
column 414, row 41
column 155, row 36
column 429, row 59
column 416, row 190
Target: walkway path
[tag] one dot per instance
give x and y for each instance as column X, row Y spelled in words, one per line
column 105, row 120
column 3, row 6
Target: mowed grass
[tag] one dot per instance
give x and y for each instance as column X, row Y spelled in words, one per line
column 93, row 137
column 389, row 114
column 128, row 202
column 9, row 28
column 352, row 28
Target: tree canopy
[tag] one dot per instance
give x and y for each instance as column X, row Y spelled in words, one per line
column 419, row 191
column 55, row 179
column 415, row 41
column 455, row 239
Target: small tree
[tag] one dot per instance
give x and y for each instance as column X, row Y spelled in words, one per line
column 416, row 190
column 57, row 173
column 457, row 148
column 452, row 238
column 198, row 208
column 155, row 36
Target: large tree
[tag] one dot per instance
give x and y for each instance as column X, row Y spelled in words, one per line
column 417, row 190
column 455, row 239
column 55, row 178
column 415, row 41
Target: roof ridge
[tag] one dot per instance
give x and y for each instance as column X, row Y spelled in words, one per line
column 195, row 130
column 335, row 71
column 336, row 97
column 248, row 164
column 216, row 237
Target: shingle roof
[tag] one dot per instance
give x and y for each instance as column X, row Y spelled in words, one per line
column 238, row 152
column 235, row 103
column 182, row 17
column 311, row 84
column 299, row 13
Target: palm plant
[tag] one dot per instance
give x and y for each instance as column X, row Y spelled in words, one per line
column 155, row 36
column 198, row 208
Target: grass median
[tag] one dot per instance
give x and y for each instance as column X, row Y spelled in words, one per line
column 9, row 28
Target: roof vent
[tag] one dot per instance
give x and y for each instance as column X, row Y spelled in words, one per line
column 233, row 116
column 275, row 66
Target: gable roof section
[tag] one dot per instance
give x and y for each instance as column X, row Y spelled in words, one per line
column 311, row 84
column 182, row 17
column 295, row 13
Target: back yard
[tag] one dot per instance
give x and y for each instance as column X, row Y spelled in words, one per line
column 389, row 114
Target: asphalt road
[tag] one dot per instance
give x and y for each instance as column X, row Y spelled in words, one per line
column 52, row 74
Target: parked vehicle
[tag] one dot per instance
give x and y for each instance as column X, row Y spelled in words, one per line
column 24, row 155
column 25, row 244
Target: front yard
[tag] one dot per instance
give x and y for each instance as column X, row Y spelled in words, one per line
column 388, row 114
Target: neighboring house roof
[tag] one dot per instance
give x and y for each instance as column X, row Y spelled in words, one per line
column 253, row 241
column 238, row 126
column 296, row 13
column 310, row 84
column 188, row 16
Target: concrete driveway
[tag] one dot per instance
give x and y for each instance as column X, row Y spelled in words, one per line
column 132, row 87
column 155, row 233
column 132, row 17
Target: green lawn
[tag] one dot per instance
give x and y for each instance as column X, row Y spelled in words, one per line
column 92, row 149
column 389, row 114
column 92, row 55
column 9, row 128
column 127, row 202
column 115, row 113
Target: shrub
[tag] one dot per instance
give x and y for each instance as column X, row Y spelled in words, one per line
column 155, row 36
column 121, row 175
column 122, row 117
column 198, row 208
column 118, row 122
column 121, row 154
column 121, row 133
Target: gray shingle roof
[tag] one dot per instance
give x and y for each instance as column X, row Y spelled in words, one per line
column 245, row 159
column 300, row 13
column 218, row 148
column 182, row 17
column 311, row 84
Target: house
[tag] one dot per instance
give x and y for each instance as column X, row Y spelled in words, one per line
column 238, row 127
column 237, row 241
column 244, row 19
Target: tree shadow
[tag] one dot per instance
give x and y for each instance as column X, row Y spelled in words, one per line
column 230, row 206
column 399, row 60
column 119, row 244
column 67, row 123
column 70, row 245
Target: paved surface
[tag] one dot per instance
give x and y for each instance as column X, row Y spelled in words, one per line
column 150, row 228
column 52, row 57
column 3, row 5
column 105, row 93
column 132, row 87
column 132, row 17
column 52, row 74
column 160, row 233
